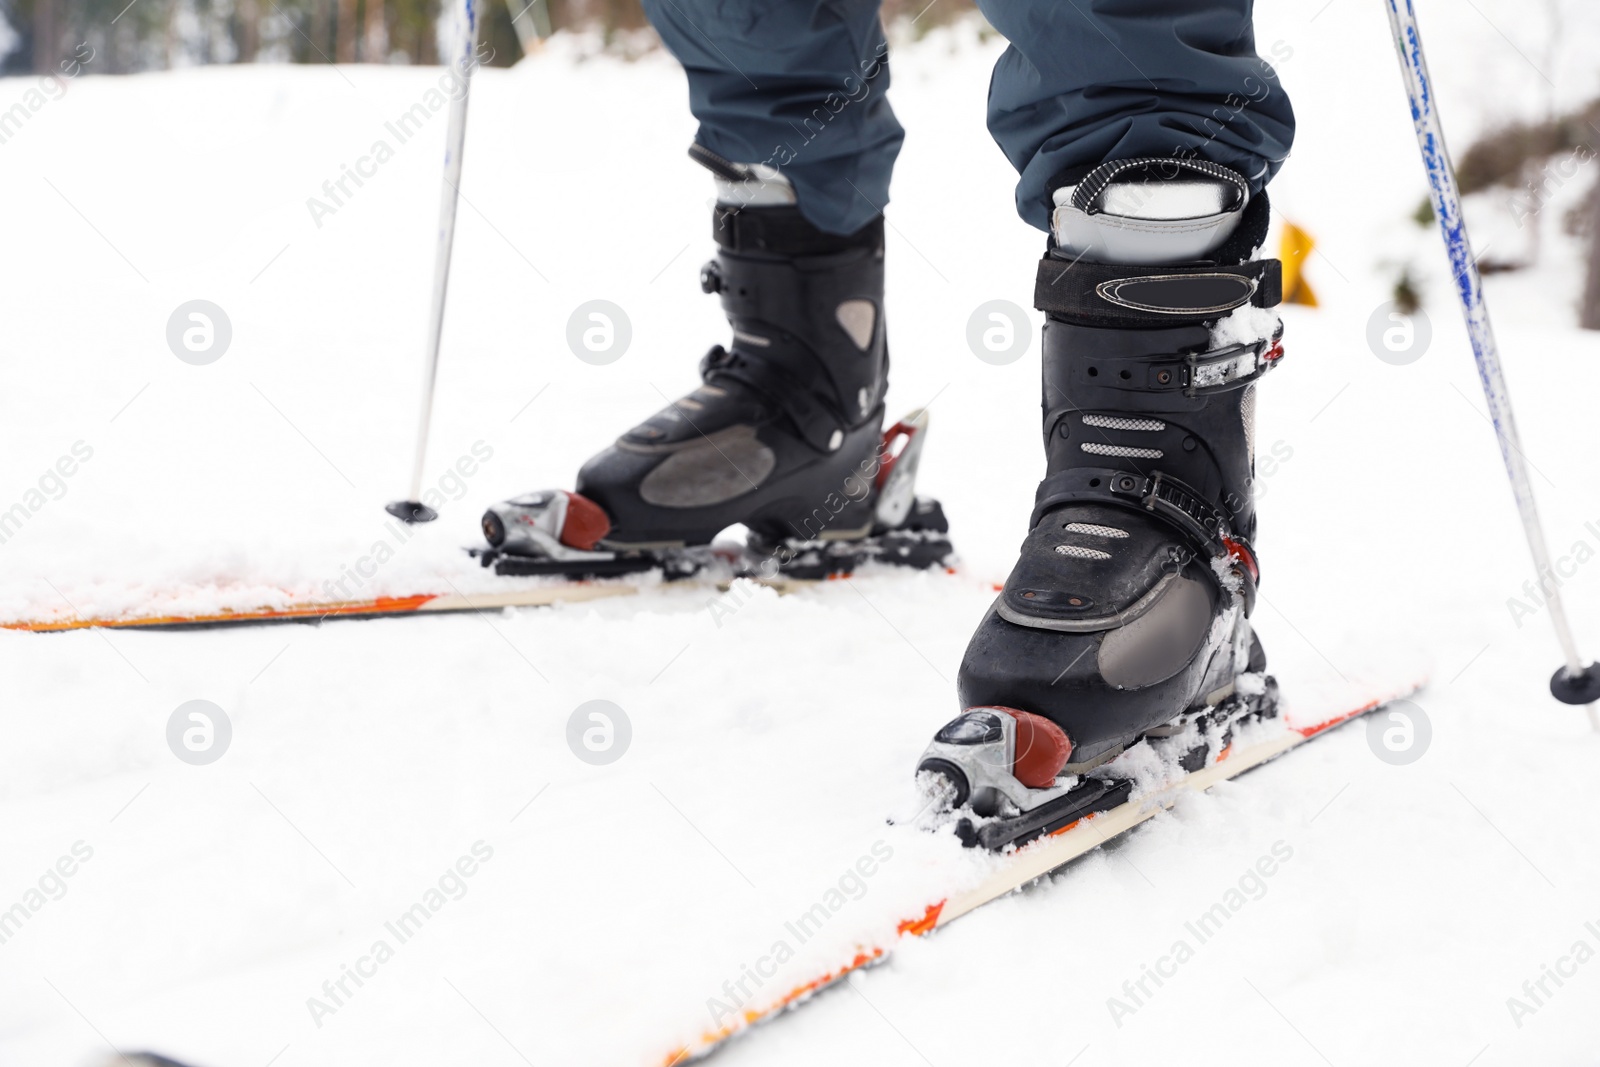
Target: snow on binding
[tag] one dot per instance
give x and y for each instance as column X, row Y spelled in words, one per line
column 1005, row 775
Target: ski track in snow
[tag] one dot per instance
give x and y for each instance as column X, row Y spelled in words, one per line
column 770, row 738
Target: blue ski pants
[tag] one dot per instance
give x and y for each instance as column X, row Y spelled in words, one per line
column 800, row 85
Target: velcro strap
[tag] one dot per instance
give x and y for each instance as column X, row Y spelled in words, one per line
column 815, row 420
column 784, row 231
column 1109, row 295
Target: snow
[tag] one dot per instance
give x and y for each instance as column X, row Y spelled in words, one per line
column 1244, row 325
column 608, row 904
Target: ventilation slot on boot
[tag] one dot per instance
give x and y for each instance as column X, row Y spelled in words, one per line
column 1120, row 451
column 1247, row 415
column 1094, row 531
column 1077, row 552
column 1113, row 422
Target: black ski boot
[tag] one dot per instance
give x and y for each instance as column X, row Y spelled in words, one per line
column 1126, row 616
column 783, row 435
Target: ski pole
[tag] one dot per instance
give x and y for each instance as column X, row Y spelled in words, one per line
column 1573, row 683
column 413, row 509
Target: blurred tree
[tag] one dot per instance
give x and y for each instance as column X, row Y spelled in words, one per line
column 409, row 25
column 344, row 43
column 375, row 35
column 498, row 33
column 247, row 30
column 1589, row 310
column 46, row 35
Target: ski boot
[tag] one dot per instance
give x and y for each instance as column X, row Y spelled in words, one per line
column 784, row 433
column 1126, row 617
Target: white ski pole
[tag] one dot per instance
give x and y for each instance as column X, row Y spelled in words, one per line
column 413, row 509
column 1573, row 683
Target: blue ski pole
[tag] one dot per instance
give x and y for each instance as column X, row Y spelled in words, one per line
column 1573, row 682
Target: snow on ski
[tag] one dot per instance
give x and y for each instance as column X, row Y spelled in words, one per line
column 1056, row 849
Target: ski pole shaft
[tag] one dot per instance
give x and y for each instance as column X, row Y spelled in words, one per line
column 1446, row 196
column 449, row 195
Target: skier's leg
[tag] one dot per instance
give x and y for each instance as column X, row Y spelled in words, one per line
column 796, row 85
column 1144, row 131
column 796, row 131
column 784, row 435
column 1099, row 80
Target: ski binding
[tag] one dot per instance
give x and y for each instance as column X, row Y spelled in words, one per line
column 558, row 532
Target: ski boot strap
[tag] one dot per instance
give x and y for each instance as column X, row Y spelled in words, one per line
column 789, row 290
column 1163, row 380
column 1111, row 295
column 1159, row 493
column 1205, row 526
column 784, row 233
column 821, row 424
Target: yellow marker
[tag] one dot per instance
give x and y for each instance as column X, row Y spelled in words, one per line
column 1295, row 248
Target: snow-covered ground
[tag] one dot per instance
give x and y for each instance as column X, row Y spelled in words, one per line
column 374, row 765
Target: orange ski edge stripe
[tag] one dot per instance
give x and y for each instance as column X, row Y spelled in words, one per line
column 1372, row 705
column 383, row 605
column 376, row 606
column 918, row 927
column 863, row 957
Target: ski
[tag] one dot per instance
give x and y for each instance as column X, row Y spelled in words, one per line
column 557, row 532
column 1099, row 812
column 290, row 609
column 724, row 564
column 539, row 561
